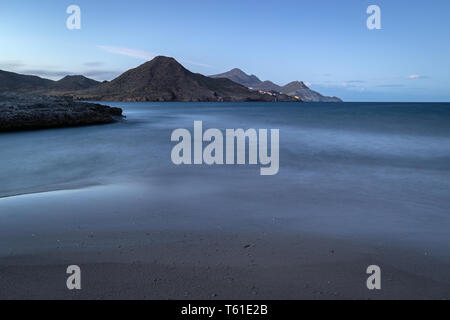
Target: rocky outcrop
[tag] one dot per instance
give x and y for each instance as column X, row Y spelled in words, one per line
column 30, row 112
column 299, row 89
column 293, row 89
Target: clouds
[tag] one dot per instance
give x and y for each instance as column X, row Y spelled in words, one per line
column 341, row 84
column 144, row 55
column 355, row 81
column 394, row 85
column 196, row 63
column 133, row 53
column 417, row 76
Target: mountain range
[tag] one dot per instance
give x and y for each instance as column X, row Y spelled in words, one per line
column 163, row 79
column 14, row 82
column 294, row 88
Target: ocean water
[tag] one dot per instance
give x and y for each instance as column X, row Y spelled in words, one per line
column 376, row 172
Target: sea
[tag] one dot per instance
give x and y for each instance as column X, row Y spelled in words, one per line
column 375, row 172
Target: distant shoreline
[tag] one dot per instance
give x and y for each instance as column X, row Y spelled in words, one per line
column 161, row 79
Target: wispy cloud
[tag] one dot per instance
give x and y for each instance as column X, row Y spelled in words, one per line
column 128, row 52
column 390, row 85
column 139, row 54
column 196, row 63
column 355, row 81
column 340, row 84
column 417, row 76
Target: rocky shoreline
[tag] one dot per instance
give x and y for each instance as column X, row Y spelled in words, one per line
column 20, row 111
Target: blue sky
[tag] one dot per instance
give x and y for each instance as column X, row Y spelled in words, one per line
column 325, row 42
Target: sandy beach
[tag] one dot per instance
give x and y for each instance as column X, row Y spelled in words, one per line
column 160, row 258
column 219, row 266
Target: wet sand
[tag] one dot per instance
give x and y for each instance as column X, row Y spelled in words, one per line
column 148, row 253
column 221, row 266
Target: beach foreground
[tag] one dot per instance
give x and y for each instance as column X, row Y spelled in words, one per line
column 150, row 262
column 217, row 267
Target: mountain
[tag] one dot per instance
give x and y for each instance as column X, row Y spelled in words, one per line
column 268, row 86
column 72, row 83
column 10, row 81
column 299, row 89
column 14, row 82
column 239, row 76
column 164, row 79
column 293, row 89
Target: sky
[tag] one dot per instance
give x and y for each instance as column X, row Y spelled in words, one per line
column 325, row 43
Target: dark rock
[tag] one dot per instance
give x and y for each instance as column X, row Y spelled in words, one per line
column 30, row 112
